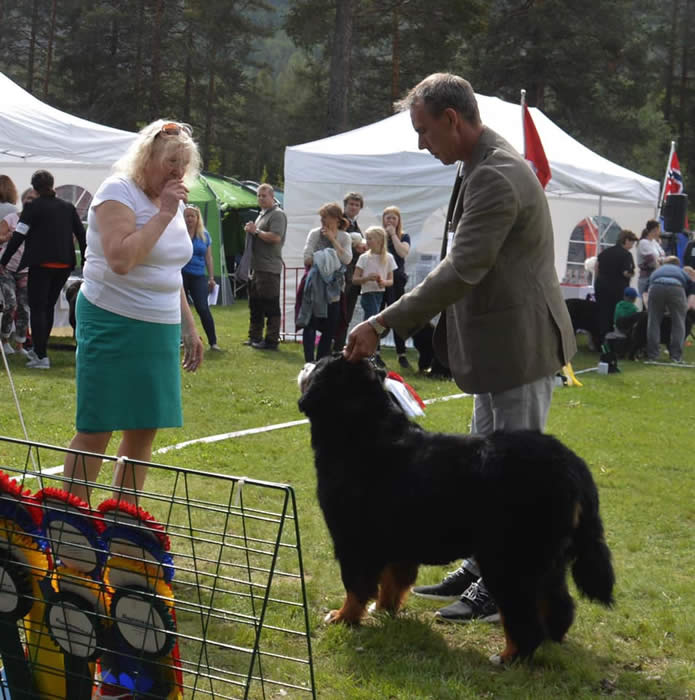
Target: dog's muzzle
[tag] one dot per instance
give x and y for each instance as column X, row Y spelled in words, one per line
column 303, row 376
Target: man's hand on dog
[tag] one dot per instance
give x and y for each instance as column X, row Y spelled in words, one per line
column 362, row 342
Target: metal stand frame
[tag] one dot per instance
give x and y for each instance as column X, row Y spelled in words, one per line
column 233, row 619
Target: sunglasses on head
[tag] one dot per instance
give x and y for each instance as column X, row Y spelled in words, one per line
column 176, row 128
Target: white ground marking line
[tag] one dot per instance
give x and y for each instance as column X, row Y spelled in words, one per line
column 238, row 433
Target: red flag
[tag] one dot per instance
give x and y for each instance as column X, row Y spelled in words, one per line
column 533, row 150
column 674, row 180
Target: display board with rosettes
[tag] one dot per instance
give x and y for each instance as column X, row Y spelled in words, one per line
column 192, row 587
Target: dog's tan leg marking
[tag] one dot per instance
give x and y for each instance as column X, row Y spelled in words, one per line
column 511, row 650
column 577, row 514
column 394, row 586
column 350, row 614
column 391, row 594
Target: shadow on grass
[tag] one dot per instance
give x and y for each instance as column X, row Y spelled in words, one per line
column 410, row 658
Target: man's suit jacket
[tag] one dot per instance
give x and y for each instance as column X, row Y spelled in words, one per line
column 504, row 320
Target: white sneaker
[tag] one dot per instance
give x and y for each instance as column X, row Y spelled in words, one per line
column 43, row 363
column 9, row 350
column 216, row 348
column 31, row 355
column 22, row 351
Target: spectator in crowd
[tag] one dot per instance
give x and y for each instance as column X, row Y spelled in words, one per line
column 399, row 247
column 689, row 254
column 196, row 283
column 650, row 254
column 353, row 204
column 131, row 310
column 46, row 227
column 328, row 250
column 14, row 285
column 496, row 288
column 614, row 270
column 8, row 201
column 626, row 311
column 374, row 272
column 265, row 237
column 668, row 288
column 8, row 196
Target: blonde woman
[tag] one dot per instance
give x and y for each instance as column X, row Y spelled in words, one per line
column 131, row 310
column 196, row 283
column 399, row 247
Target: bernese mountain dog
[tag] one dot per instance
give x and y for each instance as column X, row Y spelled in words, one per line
column 395, row 496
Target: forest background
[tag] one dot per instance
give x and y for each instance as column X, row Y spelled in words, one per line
column 255, row 76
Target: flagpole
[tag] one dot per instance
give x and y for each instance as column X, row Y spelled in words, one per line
column 523, row 131
column 663, row 188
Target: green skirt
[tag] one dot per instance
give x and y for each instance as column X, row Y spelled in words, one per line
column 128, row 372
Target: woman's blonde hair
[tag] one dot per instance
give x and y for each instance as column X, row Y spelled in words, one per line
column 8, row 191
column 152, row 142
column 199, row 226
column 397, row 212
column 336, row 211
column 378, row 231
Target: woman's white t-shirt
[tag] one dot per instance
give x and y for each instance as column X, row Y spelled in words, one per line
column 371, row 264
column 151, row 291
column 647, row 247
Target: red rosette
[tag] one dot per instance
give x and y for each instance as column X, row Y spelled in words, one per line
column 411, row 391
column 139, row 514
column 11, row 489
column 94, row 516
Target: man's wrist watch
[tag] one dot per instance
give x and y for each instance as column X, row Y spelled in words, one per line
column 379, row 329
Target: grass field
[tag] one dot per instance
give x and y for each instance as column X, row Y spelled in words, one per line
column 634, row 429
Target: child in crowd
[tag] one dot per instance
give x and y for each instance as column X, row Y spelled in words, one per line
column 374, row 271
column 626, row 311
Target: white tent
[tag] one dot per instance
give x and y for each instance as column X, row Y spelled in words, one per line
column 34, row 135
column 382, row 161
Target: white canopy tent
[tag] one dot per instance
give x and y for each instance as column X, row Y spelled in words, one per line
column 382, row 161
column 34, row 135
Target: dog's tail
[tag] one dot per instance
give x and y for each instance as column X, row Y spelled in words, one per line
column 592, row 569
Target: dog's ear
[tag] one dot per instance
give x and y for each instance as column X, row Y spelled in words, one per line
column 312, row 383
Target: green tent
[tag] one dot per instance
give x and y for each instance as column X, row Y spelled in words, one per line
column 226, row 206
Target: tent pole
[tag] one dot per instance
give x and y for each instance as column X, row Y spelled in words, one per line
column 600, row 223
column 223, row 261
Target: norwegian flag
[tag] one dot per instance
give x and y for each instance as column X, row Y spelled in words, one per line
column 533, row 149
column 673, row 183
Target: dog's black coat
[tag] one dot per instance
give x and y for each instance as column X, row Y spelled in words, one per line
column 585, row 317
column 395, row 496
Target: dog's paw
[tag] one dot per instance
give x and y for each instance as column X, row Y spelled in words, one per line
column 503, row 659
column 335, row 617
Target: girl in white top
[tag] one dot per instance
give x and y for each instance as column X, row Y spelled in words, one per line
column 374, row 271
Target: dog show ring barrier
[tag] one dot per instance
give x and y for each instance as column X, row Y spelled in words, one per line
column 190, row 588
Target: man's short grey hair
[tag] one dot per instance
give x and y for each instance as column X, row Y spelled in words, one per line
column 266, row 187
column 440, row 91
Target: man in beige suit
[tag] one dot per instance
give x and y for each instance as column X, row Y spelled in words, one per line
column 504, row 330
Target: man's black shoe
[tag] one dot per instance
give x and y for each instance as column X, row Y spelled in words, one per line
column 264, row 345
column 451, row 588
column 475, row 604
